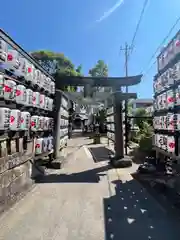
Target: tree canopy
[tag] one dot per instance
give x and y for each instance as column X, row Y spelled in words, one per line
column 99, row 70
column 57, row 64
column 139, row 120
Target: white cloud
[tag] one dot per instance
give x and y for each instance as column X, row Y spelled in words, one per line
column 110, row 11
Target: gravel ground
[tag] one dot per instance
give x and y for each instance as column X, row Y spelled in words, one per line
column 87, row 200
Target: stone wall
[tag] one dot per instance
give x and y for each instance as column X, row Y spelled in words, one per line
column 15, row 174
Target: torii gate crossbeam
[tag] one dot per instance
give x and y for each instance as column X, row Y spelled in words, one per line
column 97, row 81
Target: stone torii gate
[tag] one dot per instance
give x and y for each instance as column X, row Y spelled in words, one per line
column 116, row 83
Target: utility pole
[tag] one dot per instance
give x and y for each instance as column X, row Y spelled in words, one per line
column 126, row 50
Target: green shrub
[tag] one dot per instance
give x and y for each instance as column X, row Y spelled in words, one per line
column 144, row 137
column 145, row 144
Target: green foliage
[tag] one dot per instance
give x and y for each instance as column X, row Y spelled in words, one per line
column 145, row 143
column 139, row 120
column 99, row 70
column 101, row 116
column 147, row 129
column 58, row 65
column 144, row 137
column 129, row 109
column 144, row 134
column 79, row 70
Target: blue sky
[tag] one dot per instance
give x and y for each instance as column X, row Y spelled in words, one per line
column 80, row 30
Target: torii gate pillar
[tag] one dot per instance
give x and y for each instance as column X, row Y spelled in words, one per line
column 119, row 147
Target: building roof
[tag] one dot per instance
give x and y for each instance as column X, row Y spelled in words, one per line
column 143, row 100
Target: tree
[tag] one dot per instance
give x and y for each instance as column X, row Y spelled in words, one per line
column 129, row 109
column 99, row 70
column 57, row 64
column 101, row 116
column 79, row 70
column 139, row 120
column 145, row 132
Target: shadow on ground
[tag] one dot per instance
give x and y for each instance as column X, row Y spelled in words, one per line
column 132, row 214
column 100, row 154
column 80, row 134
column 166, row 196
column 88, row 176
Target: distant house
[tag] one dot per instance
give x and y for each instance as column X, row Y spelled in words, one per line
column 142, row 103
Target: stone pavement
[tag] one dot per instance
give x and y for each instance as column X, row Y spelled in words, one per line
column 87, row 200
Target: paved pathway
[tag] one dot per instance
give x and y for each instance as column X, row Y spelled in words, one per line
column 87, row 200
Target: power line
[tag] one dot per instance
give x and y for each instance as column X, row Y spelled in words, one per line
column 131, row 48
column 147, row 71
column 160, row 46
column 138, row 25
